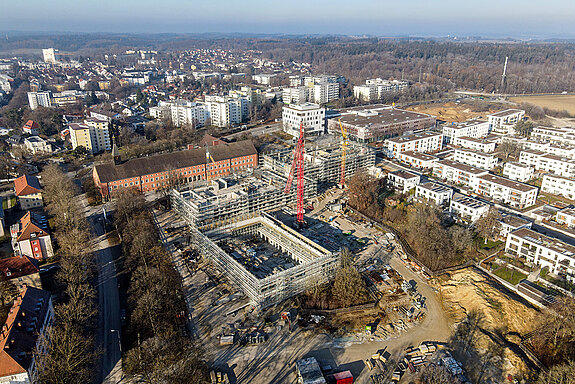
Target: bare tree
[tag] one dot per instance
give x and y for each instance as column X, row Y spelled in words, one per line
column 488, row 225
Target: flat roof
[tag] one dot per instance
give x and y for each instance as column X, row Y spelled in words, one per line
column 545, row 241
column 470, row 202
column 404, row 174
column 367, row 115
column 462, row 167
column 508, row 183
column 435, row 187
column 475, row 140
column 414, row 137
column 419, row 155
column 479, row 153
column 506, row 112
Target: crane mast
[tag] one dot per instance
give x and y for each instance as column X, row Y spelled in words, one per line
column 344, row 145
column 298, row 168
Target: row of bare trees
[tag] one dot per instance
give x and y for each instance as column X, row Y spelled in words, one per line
column 71, row 355
column 159, row 351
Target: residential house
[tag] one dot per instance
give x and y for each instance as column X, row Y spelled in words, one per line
column 30, row 238
column 23, row 335
column 435, row 192
column 403, row 181
column 20, row 271
column 544, row 251
column 28, row 191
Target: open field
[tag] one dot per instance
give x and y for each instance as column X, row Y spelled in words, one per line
column 448, row 111
column 555, row 102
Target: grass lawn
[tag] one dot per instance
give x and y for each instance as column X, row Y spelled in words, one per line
column 510, row 275
column 490, row 243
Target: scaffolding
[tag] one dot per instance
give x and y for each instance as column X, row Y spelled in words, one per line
column 324, row 163
column 315, row 264
column 231, row 199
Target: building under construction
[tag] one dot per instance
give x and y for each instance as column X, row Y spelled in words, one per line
column 265, row 258
column 323, row 164
column 230, row 199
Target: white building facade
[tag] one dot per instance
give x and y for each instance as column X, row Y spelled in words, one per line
column 518, row 171
column 311, row 115
column 475, row 159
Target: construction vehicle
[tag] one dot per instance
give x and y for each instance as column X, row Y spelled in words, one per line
column 208, row 159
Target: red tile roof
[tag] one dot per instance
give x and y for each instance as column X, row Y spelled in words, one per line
column 20, row 332
column 31, row 124
column 17, row 266
column 27, row 185
column 28, row 227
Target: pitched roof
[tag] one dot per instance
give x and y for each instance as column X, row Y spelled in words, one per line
column 20, row 332
column 31, row 124
column 17, row 266
column 27, row 185
column 29, row 227
column 171, row 161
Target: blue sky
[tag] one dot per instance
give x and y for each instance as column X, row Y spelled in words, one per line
column 376, row 17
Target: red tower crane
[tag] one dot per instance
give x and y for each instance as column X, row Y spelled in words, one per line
column 297, row 166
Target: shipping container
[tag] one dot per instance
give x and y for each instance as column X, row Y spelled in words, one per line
column 344, row 377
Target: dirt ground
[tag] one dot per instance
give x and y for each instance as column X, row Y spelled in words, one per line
column 468, row 290
column 555, row 102
column 449, row 111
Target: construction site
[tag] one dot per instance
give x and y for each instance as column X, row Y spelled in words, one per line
column 270, row 257
column 324, row 163
column 266, row 259
column 233, row 198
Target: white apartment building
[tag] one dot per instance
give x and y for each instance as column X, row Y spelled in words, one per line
column 418, row 159
column 558, row 185
column 544, row 251
column 49, row 55
column 518, row 171
column 263, row 78
column 294, row 95
column 435, row 192
column 566, row 216
column 324, row 92
column 311, row 115
column 558, row 136
column 39, row 99
column 183, row 112
column 542, row 161
column 507, row 191
column 403, row 181
column 475, row 159
column 161, row 111
column 505, row 121
column 365, row 92
column 468, row 209
column 510, row 223
column 470, row 128
column 226, row 111
column 417, row 142
column 482, row 145
column 376, row 88
column 457, row 173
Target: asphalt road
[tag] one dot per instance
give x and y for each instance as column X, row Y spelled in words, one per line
column 110, row 370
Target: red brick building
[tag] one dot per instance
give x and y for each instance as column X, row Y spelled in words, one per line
column 159, row 171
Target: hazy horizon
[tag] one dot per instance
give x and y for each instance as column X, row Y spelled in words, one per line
column 425, row 18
